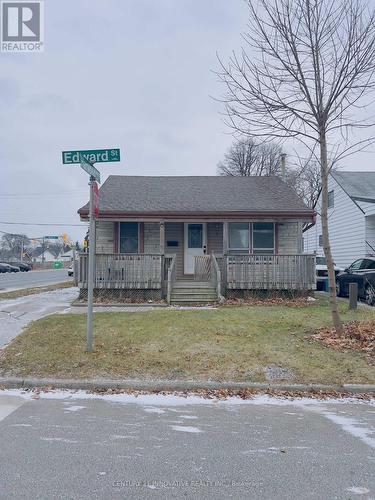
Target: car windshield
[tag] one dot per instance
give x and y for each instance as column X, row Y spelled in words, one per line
column 321, row 261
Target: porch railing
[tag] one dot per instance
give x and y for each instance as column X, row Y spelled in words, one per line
column 142, row 271
column 202, row 268
column 278, row 272
column 216, row 276
column 171, row 278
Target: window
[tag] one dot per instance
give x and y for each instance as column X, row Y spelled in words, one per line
column 239, row 236
column 331, row 199
column 129, row 237
column 263, row 237
column 356, row 265
column 320, row 240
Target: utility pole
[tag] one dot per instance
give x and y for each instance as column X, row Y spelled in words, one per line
column 90, row 283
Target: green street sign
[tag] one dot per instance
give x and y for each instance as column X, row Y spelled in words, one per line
column 91, row 155
column 90, row 169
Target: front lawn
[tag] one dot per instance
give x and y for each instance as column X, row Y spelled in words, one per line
column 243, row 343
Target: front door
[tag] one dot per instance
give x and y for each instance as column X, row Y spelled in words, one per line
column 195, row 244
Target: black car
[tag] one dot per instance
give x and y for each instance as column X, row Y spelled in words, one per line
column 22, row 265
column 362, row 272
column 10, row 269
column 4, row 268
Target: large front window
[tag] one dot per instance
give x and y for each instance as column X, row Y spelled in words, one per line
column 239, row 236
column 263, row 237
column 255, row 237
column 129, row 237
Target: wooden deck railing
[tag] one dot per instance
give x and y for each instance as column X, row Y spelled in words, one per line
column 142, row 271
column 271, row 272
column 202, row 268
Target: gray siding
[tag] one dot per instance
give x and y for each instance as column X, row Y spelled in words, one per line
column 347, row 229
column 105, row 231
column 152, row 237
column 288, row 237
column 215, row 238
column 174, row 231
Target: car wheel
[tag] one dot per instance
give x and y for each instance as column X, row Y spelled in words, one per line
column 369, row 295
column 338, row 289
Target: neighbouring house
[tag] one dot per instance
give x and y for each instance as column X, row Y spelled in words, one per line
column 351, row 218
column 38, row 256
column 194, row 239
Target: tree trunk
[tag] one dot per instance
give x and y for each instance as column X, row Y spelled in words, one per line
column 326, row 244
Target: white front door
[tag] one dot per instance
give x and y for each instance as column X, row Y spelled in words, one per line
column 195, row 244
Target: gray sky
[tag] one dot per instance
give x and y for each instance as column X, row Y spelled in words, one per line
column 133, row 74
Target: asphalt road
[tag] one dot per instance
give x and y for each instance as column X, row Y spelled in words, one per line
column 17, row 281
column 167, row 447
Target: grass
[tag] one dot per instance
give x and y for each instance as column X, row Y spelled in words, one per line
column 15, row 294
column 230, row 343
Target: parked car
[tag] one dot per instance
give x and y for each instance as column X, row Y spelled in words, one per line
column 4, row 268
column 11, row 269
column 322, row 272
column 24, row 267
column 362, row 272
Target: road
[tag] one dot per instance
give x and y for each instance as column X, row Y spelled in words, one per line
column 17, row 281
column 15, row 314
column 77, row 447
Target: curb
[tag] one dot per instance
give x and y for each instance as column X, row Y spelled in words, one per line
column 116, row 304
column 168, row 385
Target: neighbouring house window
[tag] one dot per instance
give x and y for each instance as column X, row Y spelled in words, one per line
column 263, row 237
column 129, row 237
column 320, row 240
column 239, row 236
column 331, row 199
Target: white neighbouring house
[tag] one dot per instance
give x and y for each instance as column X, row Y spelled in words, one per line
column 351, row 218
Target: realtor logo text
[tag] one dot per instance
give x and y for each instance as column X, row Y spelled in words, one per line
column 22, row 26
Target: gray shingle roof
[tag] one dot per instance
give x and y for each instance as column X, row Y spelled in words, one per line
column 147, row 195
column 358, row 185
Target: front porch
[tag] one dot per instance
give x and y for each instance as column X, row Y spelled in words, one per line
column 154, row 276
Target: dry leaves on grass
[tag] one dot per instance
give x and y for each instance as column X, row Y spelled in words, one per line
column 358, row 335
column 275, row 301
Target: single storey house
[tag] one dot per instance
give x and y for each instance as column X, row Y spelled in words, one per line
column 351, row 218
column 195, row 239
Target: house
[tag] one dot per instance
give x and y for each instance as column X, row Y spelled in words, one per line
column 197, row 238
column 351, row 218
column 38, row 256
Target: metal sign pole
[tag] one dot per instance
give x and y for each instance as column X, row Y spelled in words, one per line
column 90, row 278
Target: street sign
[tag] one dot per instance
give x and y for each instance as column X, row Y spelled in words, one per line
column 90, row 169
column 96, row 200
column 51, row 237
column 91, row 155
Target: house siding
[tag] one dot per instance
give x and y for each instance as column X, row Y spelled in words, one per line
column 288, row 238
column 151, row 237
column 215, row 238
column 347, row 228
column 105, row 237
column 174, row 231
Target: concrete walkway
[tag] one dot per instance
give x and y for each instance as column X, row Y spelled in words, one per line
column 15, row 314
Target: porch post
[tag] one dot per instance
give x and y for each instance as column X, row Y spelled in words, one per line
column 225, row 237
column 162, row 237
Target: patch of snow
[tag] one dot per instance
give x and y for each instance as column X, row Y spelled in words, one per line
column 187, row 428
column 188, row 417
column 159, row 411
column 358, row 490
column 62, row 440
column 73, row 408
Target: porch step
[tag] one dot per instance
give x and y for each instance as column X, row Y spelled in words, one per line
column 193, row 292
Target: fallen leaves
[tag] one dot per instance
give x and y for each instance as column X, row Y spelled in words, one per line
column 358, row 335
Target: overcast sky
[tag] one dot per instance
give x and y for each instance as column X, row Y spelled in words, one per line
column 133, row 74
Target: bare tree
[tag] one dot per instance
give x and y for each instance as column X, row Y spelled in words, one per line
column 310, row 68
column 247, row 157
column 304, row 177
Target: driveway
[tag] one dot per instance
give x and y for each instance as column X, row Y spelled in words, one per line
column 76, row 446
column 15, row 314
